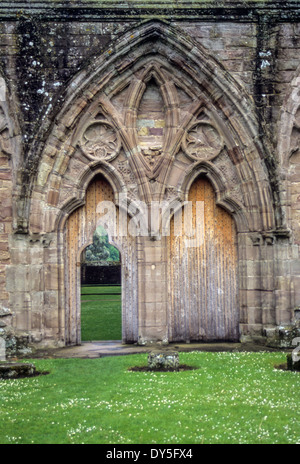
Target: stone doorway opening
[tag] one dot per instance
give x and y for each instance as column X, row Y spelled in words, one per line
column 99, row 209
column 101, row 290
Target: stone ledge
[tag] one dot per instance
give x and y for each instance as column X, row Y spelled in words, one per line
column 111, row 9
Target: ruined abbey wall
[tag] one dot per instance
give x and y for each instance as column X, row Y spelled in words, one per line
column 146, row 75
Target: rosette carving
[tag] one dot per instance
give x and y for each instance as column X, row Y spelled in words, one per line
column 202, row 141
column 100, row 141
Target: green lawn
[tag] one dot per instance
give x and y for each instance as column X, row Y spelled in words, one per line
column 231, row 398
column 101, row 313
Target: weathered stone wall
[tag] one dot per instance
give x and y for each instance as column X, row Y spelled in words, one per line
column 55, row 60
column 9, row 146
column 6, row 205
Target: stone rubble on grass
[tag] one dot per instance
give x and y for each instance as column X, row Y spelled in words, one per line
column 11, row 370
column 166, row 360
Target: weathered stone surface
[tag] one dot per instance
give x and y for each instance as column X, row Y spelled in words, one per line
column 211, row 89
column 163, row 360
column 12, row 370
column 282, row 336
column 17, row 342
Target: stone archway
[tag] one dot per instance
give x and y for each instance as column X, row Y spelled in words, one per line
column 99, row 209
column 151, row 115
column 101, row 289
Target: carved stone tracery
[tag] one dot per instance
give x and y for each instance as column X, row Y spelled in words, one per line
column 100, row 141
column 152, row 126
column 202, row 141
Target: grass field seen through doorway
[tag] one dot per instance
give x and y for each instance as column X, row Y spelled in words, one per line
column 101, row 309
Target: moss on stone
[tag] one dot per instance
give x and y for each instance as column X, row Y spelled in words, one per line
column 9, row 370
column 292, row 364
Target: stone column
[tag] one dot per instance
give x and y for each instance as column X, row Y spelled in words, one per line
column 152, row 290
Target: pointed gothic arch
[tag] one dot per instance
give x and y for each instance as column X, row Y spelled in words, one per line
column 157, row 49
column 223, row 198
column 206, row 260
column 208, row 127
column 78, row 230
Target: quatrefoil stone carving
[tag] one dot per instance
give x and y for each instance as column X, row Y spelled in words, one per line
column 202, row 141
column 100, row 141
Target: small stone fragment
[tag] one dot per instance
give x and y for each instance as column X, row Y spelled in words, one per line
column 9, row 370
column 163, row 360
